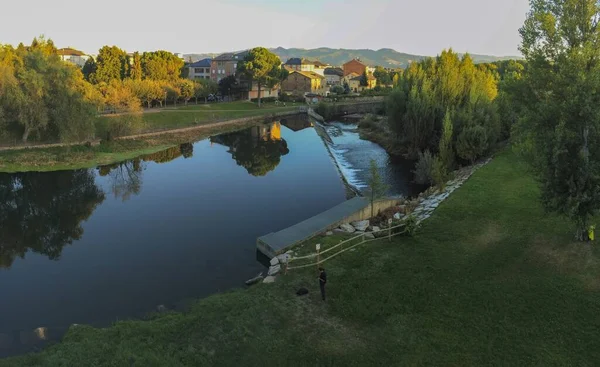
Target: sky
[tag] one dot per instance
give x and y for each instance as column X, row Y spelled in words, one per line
column 422, row 27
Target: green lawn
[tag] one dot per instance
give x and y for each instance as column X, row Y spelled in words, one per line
column 52, row 159
column 193, row 115
column 490, row 280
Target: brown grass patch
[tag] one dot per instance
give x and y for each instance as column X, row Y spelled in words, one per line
column 491, row 235
column 580, row 259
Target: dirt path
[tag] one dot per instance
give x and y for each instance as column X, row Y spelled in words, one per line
column 156, row 133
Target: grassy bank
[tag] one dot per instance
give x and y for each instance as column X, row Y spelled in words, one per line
column 490, row 280
column 59, row 158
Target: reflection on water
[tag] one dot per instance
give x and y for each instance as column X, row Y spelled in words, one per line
column 258, row 149
column 152, row 230
column 42, row 212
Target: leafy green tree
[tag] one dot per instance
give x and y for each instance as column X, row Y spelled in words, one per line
column 346, row 87
column 560, row 128
column 161, row 65
column 383, row 76
column 337, row 89
column 135, row 72
column 446, row 151
column 263, row 67
column 203, row 88
column 186, row 89
column 111, row 64
column 364, row 79
column 377, row 187
column 89, row 70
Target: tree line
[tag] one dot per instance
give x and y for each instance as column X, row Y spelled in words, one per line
column 45, row 99
column 446, row 111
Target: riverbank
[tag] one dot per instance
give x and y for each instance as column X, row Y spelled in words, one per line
column 489, row 280
column 163, row 129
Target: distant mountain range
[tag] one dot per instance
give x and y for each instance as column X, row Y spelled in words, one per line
column 338, row 56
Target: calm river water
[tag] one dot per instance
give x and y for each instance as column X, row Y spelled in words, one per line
column 98, row 245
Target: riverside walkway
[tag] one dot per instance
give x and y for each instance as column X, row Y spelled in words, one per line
column 277, row 243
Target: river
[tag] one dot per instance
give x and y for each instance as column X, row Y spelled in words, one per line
column 93, row 246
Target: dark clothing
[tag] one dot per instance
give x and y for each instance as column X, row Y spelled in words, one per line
column 322, row 282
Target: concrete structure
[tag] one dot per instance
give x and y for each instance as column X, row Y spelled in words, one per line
column 200, row 69
column 225, row 65
column 73, row 56
column 354, row 209
column 357, row 66
column 302, row 82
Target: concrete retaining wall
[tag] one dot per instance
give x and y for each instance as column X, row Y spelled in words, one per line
column 365, row 213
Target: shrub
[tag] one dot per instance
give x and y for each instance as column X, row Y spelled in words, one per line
column 411, row 225
column 337, row 89
column 326, row 110
column 472, row 143
column 439, row 173
column 264, row 99
column 369, row 121
column 424, row 168
column 126, row 124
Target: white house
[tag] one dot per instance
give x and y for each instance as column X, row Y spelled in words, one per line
column 73, row 56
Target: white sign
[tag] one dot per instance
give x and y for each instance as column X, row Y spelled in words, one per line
column 318, row 246
column 390, row 221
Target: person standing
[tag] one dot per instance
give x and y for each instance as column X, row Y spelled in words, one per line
column 322, row 281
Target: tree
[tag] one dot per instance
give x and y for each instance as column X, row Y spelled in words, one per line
column 337, row 89
column 135, row 72
column 261, row 66
column 111, row 64
column 186, row 89
column 383, row 76
column 377, row 188
column 446, row 152
column 346, row 87
column 161, row 65
column 203, row 88
column 89, row 70
column 560, row 127
column 364, row 79
column 227, row 84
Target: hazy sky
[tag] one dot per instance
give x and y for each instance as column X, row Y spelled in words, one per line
column 422, row 27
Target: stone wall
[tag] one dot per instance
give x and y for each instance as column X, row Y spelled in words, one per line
column 365, row 213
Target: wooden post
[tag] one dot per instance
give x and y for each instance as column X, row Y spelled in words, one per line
column 318, row 246
column 390, row 229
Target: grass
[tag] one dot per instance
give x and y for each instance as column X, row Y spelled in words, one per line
column 490, row 280
column 60, row 158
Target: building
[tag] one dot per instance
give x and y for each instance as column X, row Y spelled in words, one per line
column 357, row 66
column 353, row 80
column 333, row 76
column 200, row 69
column 302, row 82
column 265, row 92
column 225, row 65
column 73, row 56
column 319, row 67
column 298, row 64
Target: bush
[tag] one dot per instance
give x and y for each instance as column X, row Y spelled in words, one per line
column 369, row 121
column 472, row 143
column 326, row 110
column 411, row 225
column 264, row 100
column 123, row 125
column 337, row 89
column 424, row 168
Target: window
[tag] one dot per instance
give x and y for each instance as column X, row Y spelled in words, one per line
column 235, row 66
column 198, row 70
column 214, row 71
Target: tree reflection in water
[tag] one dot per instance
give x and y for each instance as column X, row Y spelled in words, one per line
column 42, row 212
column 258, row 149
column 126, row 177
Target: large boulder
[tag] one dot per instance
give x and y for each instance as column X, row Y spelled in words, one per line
column 274, row 261
column 369, row 235
column 273, row 270
column 284, row 258
column 376, row 229
column 398, row 216
column 361, row 225
column 347, row 228
column 269, row 279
